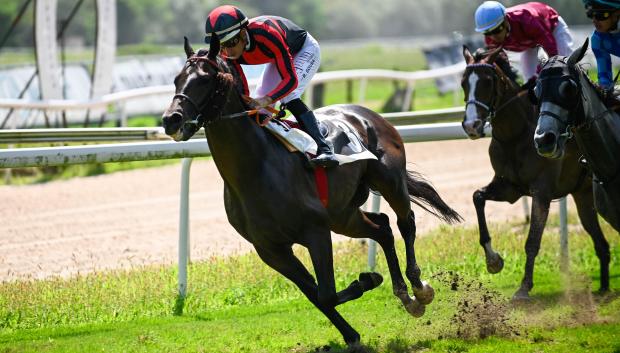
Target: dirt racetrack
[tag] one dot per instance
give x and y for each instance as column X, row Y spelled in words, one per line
column 131, row 218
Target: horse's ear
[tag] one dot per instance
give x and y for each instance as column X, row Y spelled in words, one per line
column 188, row 48
column 578, row 54
column 467, row 55
column 494, row 54
column 214, row 46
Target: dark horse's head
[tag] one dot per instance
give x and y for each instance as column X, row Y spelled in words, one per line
column 559, row 91
column 201, row 90
column 482, row 89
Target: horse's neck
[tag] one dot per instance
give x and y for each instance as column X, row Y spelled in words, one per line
column 237, row 144
column 514, row 117
column 599, row 137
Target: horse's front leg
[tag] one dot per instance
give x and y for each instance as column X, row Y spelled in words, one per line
column 497, row 190
column 283, row 260
column 540, row 212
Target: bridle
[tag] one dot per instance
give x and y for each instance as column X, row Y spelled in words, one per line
column 570, row 121
column 198, row 120
column 490, row 108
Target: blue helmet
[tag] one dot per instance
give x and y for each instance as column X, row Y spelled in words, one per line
column 489, row 15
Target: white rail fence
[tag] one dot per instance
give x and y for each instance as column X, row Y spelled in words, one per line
column 103, row 153
column 116, row 101
column 54, row 156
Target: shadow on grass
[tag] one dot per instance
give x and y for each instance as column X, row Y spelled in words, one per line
column 395, row 345
column 551, row 300
column 32, row 335
column 179, row 304
column 337, row 347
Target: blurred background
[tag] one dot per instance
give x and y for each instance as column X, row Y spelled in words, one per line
column 106, row 49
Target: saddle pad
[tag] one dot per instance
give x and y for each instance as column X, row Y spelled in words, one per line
column 340, row 135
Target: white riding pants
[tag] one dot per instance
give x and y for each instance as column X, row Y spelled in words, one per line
column 564, row 40
column 306, row 62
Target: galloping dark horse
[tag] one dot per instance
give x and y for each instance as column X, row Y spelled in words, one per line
column 271, row 198
column 570, row 105
column 492, row 96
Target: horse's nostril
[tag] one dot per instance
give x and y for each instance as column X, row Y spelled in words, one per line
column 172, row 122
column 546, row 139
column 477, row 124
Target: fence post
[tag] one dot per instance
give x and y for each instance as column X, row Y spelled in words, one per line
column 310, row 95
column 184, row 226
column 372, row 245
column 564, row 263
column 526, row 208
column 362, row 95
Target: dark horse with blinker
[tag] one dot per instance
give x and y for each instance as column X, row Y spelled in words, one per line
column 492, row 95
column 572, row 106
column 271, row 198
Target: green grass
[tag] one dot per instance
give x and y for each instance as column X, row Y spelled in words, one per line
column 238, row 304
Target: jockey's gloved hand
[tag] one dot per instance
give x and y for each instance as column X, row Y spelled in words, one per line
column 261, row 102
column 530, row 84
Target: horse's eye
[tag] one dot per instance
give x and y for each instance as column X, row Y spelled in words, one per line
column 567, row 89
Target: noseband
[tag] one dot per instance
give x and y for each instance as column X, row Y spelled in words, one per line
column 198, row 119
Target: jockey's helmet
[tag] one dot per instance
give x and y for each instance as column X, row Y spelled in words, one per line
column 489, row 15
column 601, row 4
column 225, row 22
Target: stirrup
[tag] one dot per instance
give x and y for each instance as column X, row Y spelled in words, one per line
column 325, row 160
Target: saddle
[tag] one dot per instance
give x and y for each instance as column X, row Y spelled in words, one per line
column 339, row 134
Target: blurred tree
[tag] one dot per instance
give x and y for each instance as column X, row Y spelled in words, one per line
column 167, row 21
column 22, row 34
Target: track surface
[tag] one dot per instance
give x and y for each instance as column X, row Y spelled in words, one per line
column 131, row 218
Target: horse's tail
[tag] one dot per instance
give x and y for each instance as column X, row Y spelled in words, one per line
column 423, row 194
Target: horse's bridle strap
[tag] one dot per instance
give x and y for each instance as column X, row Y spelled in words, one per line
column 489, row 108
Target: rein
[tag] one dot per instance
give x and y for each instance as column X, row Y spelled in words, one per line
column 199, row 121
column 492, row 111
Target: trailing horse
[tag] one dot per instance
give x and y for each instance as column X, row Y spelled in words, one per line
column 271, row 198
column 492, row 95
column 571, row 106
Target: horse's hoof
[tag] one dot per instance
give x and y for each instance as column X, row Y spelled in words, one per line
column 352, row 339
column 370, row 280
column 415, row 308
column 426, row 294
column 495, row 264
column 521, row 295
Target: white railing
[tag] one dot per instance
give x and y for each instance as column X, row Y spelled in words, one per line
column 49, row 156
column 9, row 136
column 118, row 99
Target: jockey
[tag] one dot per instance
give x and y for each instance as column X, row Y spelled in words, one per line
column 522, row 28
column 292, row 56
column 605, row 38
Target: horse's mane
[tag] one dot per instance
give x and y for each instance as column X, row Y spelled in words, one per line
column 225, row 77
column 502, row 62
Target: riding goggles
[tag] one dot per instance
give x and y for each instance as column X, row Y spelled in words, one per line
column 494, row 31
column 231, row 42
column 600, row 15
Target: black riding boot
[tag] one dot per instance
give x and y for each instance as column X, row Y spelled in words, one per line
column 324, row 155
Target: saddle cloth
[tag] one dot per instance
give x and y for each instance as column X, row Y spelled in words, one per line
column 339, row 134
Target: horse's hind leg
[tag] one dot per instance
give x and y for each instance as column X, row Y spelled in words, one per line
column 589, row 219
column 376, row 226
column 283, row 260
column 497, row 190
